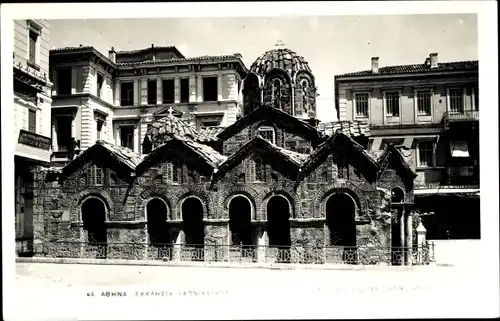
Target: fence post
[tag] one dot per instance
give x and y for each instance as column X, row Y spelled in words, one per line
column 421, row 241
column 178, row 246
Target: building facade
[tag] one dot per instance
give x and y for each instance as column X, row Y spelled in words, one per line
column 116, row 98
column 432, row 109
column 273, row 181
column 32, row 101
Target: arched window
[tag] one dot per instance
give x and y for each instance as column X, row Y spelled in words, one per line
column 260, row 171
column 304, row 84
column 267, row 133
column 176, row 171
column 276, row 92
column 95, row 175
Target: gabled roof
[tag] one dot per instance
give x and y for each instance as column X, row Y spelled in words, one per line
column 293, row 158
column 393, row 154
column 417, row 68
column 275, row 116
column 337, row 140
column 207, row 153
column 123, row 155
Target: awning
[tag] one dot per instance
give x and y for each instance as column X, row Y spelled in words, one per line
column 459, row 149
column 432, row 191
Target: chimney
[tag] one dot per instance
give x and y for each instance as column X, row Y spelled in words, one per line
column 427, row 62
column 112, row 54
column 238, row 55
column 434, row 60
column 153, row 47
column 375, row 65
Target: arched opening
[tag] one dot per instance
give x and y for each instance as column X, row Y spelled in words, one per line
column 278, row 226
column 94, row 222
column 194, row 229
column 251, row 94
column 397, row 195
column 156, row 215
column 276, row 93
column 340, row 210
column 240, row 225
column 305, row 104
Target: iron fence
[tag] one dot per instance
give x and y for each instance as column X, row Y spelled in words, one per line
column 362, row 255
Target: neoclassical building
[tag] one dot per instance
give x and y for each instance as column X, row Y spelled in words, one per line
column 273, row 179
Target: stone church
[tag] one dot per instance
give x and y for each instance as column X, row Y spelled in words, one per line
column 277, row 178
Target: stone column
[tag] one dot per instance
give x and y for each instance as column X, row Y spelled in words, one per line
column 192, row 89
column 159, row 91
column 409, row 238
column 55, row 147
column 219, row 87
column 144, row 91
column 421, row 241
column 117, row 136
column 117, row 93
column 73, row 80
column 262, row 243
column 179, row 241
column 199, row 89
column 137, row 92
column 402, row 236
column 137, row 143
column 177, row 90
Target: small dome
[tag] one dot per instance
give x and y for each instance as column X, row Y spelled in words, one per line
column 282, row 58
column 162, row 129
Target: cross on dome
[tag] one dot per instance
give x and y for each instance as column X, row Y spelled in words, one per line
column 170, row 110
column 279, row 44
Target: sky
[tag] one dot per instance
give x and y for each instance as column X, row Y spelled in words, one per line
column 331, row 44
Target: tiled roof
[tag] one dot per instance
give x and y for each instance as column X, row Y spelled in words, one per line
column 123, row 154
column 159, row 130
column 84, row 49
column 402, row 156
column 207, row 152
column 349, row 128
column 284, row 59
column 295, row 157
column 417, row 68
column 193, row 59
column 140, row 51
column 209, row 134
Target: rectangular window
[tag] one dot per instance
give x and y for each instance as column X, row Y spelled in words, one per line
column 99, row 129
column 32, row 46
column 361, row 105
column 127, row 136
column 127, row 94
column 456, row 101
column 209, row 88
column 168, row 91
column 152, row 92
column 32, row 120
column 95, row 175
column 267, row 133
column 184, row 90
column 64, row 133
column 100, row 82
column 64, row 81
column 392, row 103
column 425, row 154
column 424, row 103
column 476, row 98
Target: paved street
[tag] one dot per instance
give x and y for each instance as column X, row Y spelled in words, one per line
column 381, row 292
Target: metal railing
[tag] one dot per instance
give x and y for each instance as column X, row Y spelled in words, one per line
column 362, row 255
column 458, row 116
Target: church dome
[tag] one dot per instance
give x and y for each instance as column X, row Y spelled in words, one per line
column 282, row 58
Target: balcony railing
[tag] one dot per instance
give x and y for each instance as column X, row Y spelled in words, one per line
column 463, row 175
column 362, row 255
column 460, row 116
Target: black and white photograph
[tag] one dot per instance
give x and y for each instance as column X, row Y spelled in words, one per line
column 250, row 160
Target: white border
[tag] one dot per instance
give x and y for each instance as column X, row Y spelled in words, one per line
column 482, row 304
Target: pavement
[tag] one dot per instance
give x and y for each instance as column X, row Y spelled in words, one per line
column 88, row 291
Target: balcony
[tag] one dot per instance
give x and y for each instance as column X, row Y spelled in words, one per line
column 463, row 116
column 462, row 175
